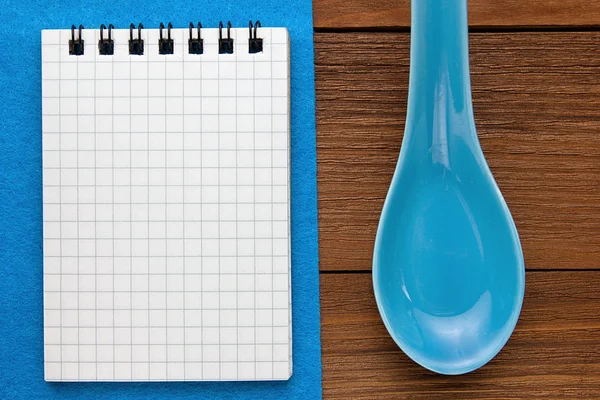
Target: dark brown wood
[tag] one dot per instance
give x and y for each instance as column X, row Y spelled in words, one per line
column 554, row 352
column 482, row 13
column 537, row 101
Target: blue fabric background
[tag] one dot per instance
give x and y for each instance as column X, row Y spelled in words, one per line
column 21, row 318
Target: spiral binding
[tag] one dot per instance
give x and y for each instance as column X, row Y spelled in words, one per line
column 225, row 44
column 195, row 45
column 106, row 47
column 255, row 44
column 166, row 45
column 136, row 46
column 76, row 45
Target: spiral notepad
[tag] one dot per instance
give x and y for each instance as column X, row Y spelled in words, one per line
column 166, row 203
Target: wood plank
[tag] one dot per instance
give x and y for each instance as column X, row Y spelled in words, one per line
column 536, row 99
column 482, row 13
column 554, row 352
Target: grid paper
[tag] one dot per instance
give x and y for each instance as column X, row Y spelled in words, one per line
column 166, row 209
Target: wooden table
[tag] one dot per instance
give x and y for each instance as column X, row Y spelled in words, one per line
column 536, row 88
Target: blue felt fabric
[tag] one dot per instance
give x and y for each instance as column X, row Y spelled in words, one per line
column 21, row 318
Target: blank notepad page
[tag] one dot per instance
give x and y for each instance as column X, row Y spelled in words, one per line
column 166, row 208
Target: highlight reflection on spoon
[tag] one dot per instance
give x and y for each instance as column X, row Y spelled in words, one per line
column 448, row 268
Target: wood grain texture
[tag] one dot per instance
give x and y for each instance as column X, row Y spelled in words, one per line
column 554, row 352
column 482, row 13
column 536, row 99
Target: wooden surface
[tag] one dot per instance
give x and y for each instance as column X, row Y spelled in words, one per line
column 344, row 14
column 537, row 109
column 553, row 353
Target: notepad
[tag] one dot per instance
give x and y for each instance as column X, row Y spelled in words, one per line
column 166, row 204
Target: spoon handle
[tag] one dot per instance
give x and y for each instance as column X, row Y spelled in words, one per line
column 440, row 112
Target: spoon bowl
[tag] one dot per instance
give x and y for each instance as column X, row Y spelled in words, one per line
column 448, row 271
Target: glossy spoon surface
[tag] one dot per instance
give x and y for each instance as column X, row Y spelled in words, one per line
column 448, row 270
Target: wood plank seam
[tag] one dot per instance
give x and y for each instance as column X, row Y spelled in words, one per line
column 383, row 14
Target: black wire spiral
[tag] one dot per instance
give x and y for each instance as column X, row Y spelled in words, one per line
column 166, row 45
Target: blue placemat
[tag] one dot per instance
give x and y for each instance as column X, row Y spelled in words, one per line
column 21, row 318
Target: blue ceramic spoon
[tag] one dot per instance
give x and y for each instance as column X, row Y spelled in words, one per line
column 448, row 269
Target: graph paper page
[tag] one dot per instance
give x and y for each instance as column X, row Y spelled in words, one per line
column 166, row 209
